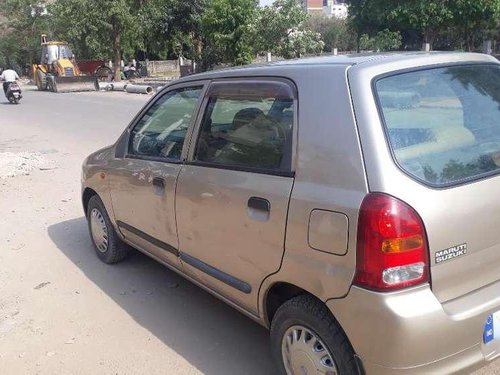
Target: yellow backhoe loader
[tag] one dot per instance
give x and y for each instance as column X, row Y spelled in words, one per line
column 58, row 71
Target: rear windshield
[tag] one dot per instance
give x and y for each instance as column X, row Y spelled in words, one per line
column 443, row 124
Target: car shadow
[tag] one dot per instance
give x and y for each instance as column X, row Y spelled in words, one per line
column 212, row 336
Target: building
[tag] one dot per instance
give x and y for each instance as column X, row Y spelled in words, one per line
column 332, row 8
column 314, row 6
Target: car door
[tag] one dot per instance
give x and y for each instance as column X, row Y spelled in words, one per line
column 233, row 192
column 143, row 184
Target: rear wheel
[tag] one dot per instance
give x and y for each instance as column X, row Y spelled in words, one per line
column 41, row 80
column 306, row 339
column 108, row 247
column 103, row 74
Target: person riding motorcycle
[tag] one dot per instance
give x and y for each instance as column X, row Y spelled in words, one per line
column 8, row 76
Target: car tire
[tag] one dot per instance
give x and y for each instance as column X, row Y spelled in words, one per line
column 108, row 246
column 41, row 80
column 304, row 323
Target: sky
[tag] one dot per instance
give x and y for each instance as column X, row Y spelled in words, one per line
column 266, row 2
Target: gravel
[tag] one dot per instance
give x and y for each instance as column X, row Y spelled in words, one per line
column 22, row 163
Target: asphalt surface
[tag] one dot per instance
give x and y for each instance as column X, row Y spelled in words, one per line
column 62, row 311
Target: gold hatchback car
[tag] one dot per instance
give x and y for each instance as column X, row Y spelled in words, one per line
column 346, row 203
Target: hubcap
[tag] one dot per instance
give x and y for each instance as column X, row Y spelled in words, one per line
column 99, row 230
column 305, row 354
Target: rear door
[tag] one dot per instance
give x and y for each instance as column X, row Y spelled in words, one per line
column 145, row 177
column 443, row 126
column 233, row 193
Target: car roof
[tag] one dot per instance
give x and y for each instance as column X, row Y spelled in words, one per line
column 358, row 60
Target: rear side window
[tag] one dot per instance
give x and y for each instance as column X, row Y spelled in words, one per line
column 248, row 125
column 443, row 124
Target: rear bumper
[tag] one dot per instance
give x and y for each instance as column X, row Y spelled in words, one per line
column 411, row 332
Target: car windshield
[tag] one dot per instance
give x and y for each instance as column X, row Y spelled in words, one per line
column 443, row 124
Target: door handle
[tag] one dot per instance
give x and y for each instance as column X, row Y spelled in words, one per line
column 158, row 185
column 259, row 204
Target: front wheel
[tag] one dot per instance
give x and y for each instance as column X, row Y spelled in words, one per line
column 108, row 247
column 306, row 339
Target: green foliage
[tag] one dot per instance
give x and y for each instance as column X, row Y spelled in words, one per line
column 473, row 18
column 22, row 22
column 151, row 17
column 232, row 32
column 281, row 29
column 384, row 40
column 335, row 33
column 225, row 28
column 172, row 27
column 92, row 27
column 463, row 23
column 97, row 29
column 366, row 17
column 426, row 16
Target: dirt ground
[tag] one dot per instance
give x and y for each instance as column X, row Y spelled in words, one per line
column 62, row 311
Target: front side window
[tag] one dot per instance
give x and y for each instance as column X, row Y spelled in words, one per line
column 161, row 132
column 443, row 124
column 65, row 52
column 248, row 125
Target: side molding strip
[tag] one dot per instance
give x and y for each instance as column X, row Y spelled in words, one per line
column 217, row 274
column 147, row 237
column 192, row 261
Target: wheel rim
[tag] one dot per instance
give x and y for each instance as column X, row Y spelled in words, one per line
column 304, row 353
column 99, row 230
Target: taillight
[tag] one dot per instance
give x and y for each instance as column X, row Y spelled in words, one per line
column 392, row 248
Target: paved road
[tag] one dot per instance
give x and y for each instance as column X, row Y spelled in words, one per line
column 64, row 312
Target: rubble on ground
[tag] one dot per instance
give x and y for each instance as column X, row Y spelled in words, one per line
column 22, row 163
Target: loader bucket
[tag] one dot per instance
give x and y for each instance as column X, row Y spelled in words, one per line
column 75, row 84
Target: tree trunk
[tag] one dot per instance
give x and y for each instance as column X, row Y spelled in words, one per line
column 429, row 37
column 117, row 55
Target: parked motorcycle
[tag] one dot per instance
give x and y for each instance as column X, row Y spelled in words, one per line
column 13, row 93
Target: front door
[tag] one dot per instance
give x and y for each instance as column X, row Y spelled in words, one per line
column 233, row 193
column 144, row 180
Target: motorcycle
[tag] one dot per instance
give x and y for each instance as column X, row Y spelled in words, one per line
column 13, row 93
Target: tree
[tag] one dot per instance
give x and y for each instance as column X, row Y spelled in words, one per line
column 171, row 28
column 281, row 29
column 335, row 33
column 384, row 40
column 429, row 17
column 98, row 28
column 153, row 31
column 22, row 24
column 474, row 18
column 366, row 17
column 226, row 32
